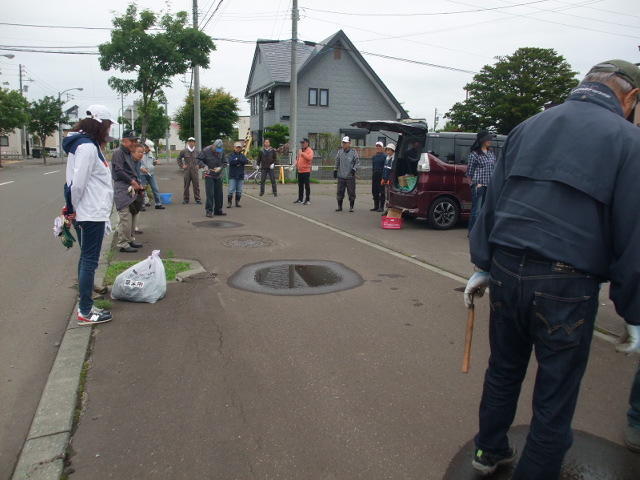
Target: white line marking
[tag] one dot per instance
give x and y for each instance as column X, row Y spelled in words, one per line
column 6, row 183
column 49, row 173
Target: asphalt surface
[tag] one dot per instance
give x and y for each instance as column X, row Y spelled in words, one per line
column 216, row 382
column 37, row 295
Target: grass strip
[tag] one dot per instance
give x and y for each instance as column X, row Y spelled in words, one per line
column 171, row 269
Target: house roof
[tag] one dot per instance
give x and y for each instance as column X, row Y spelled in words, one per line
column 276, row 56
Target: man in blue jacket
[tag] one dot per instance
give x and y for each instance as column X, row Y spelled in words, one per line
column 560, row 217
column 237, row 161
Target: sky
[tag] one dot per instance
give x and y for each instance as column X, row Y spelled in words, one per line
column 463, row 34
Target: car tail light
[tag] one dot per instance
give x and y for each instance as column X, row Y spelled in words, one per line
column 423, row 164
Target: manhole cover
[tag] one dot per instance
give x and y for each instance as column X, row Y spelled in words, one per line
column 216, row 224
column 295, row 277
column 247, row 241
column 590, row 458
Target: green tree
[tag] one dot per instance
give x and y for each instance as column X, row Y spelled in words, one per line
column 13, row 112
column 277, row 134
column 158, row 121
column 153, row 48
column 44, row 117
column 328, row 145
column 218, row 110
column 513, row 89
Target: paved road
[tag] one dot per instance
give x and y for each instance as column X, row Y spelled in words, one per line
column 215, row 382
column 36, row 296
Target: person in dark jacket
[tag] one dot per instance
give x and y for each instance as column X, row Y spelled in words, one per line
column 126, row 185
column 267, row 159
column 377, row 188
column 213, row 161
column 556, row 222
column 237, row 161
column 188, row 162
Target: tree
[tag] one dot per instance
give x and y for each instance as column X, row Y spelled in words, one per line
column 44, row 117
column 158, row 121
column 13, row 112
column 218, row 110
column 154, row 49
column 277, row 134
column 328, row 145
column 513, row 89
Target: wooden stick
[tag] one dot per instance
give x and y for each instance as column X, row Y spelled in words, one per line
column 471, row 316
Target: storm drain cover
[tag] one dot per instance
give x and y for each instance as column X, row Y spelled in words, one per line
column 247, row 241
column 217, row 224
column 590, row 458
column 295, row 277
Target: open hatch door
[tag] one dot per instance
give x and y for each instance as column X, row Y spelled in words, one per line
column 408, row 128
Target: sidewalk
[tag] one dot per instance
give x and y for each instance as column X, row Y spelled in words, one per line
column 215, row 382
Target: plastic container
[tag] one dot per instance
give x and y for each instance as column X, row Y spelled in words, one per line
column 165, row 198
column 391, row 223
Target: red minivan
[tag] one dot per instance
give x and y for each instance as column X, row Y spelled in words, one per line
column 442, row 192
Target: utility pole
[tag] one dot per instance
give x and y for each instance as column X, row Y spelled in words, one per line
column 293, row 85
column 122, row 115
column 197, row 131
column 435, row 120
column 166, row 145
column 23, row 132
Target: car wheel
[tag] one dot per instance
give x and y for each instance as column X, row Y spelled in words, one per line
column 444, row 213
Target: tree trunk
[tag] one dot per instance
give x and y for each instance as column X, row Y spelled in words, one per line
column 44, row 150
column 0, row 156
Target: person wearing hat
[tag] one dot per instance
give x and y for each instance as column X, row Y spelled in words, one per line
column 267, row 159
column 347, row 162
column 89, row 200
column 188, row 162
column 304, row 161
column 387, row 172
column 377, row 188
column 148, row 170
column 560, row 216
column 127, row 191
column 237, row 161
column 213, row 161
column 480, row 165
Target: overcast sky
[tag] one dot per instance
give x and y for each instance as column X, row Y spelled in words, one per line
column 584, row 31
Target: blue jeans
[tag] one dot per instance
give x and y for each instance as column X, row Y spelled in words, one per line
column 91, row 235
column 477, row 200
column 633, row 415
column 235, row 186
column 151, row 180
column 549, row 308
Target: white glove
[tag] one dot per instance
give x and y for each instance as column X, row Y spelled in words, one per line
column 476, row 285
column 217, row 169
column 631, row 341
column 271, row 167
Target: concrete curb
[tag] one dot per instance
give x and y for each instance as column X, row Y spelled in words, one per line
column 43, row 453
column 196, row 269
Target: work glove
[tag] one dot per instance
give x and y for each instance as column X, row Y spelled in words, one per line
column 217, row 170
column 271, row 166
column 476, row 286
column 630, row 341
column 335, row 174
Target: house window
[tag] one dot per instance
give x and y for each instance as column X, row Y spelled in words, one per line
column 313, row 97
column 270, row 100
column 252, row 104
column 359, row 142
column 172, row 147
column 324, row 97
column 4, row 141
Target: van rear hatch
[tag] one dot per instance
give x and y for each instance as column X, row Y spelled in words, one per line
column 406, row 128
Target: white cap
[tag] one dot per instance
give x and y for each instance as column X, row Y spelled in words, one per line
column 99, row 113
column 391, row 146
column 149, row 143
column 346, row 139
column 379, row 144
column 237, row 144
column 191, row 139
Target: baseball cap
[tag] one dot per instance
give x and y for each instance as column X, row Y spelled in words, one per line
column 99, row 113
column 237, row 144
column 622, row 68
column 346, row 139
column 391, row 146
column 379, row 144
column 149, row 143
column 304, row 140
column 191, row 139
column 130, row 134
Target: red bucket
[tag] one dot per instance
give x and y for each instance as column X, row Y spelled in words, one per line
column 390, row 223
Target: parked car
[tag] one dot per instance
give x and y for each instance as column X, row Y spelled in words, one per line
column 442, row 192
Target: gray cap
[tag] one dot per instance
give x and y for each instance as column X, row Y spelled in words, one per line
column 622, row 68
column 218, row 143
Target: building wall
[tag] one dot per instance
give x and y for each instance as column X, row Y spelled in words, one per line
column 13, row 139
column 261, row 75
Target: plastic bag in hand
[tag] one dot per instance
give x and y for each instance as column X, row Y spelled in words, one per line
column 143, row 282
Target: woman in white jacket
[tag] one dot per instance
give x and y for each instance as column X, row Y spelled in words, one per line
column 89, row 197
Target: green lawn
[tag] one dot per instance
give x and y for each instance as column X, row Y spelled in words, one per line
column 171, row 268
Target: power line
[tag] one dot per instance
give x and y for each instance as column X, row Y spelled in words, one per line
column 211, row 16
column 33, row 50
column 424, row 14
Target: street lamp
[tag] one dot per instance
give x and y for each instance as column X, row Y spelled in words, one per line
column 59, row 124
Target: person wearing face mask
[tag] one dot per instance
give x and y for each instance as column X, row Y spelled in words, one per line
column 560, row 216
column 377, row 167
column 188, row 162
column 213, row 161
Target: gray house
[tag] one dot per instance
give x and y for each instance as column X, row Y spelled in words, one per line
column 336, row 87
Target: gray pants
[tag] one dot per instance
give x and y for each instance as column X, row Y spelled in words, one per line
column 264, row 172
column 126, row 226
column 350, row 185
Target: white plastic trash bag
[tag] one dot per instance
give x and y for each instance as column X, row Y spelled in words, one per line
column 143, row 282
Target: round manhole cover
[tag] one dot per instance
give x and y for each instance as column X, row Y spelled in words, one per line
column 295, row 277
column 216, row 224
column 590, row 458
column 247, row 241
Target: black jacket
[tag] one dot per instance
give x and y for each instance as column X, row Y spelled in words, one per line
column 237, row 161
column 377, row 162
column 266, row 158
column 566, row 188
column 212, row 159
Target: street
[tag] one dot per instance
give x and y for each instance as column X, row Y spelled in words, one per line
column 216, row 382
column 37, row 295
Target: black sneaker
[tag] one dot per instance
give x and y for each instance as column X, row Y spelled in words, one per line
column 298, row 201
column 128, row 250
column 220, row 214
column 135, row 245
column 159, row 207
column 486, row 463
column 307, row 202
column 96, row 316
column 198, row 202
column 185, row 202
